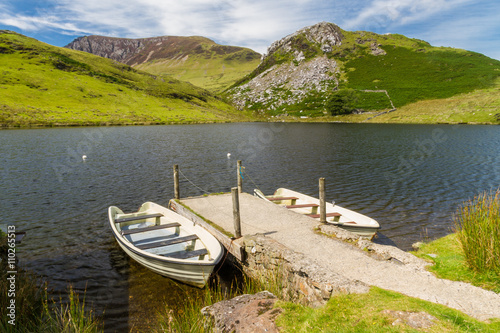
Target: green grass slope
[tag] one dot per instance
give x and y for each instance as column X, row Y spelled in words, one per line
column 412, row 70
column 208, row 65
column 481, row 106
column 43, row 85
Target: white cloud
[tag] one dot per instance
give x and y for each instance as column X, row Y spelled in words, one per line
column 251, row 23
column 34, row 23
column 254, row 23
column 389, row 13
column 222, row 20
column 469, row 33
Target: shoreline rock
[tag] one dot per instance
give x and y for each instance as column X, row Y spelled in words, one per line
column 244, row 314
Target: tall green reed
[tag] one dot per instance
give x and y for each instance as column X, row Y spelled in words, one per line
column 71, row 317
column 478, row 228
column 33, row 312
column 29, row 300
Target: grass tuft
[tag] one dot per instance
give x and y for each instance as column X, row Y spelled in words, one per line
column 478, row 230
column 69, row 318
column 449, row 263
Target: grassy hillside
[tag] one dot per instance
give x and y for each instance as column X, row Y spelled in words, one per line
column 481, row 106
column 46, row 85
column 426, row 84
column 412, row 70
column 409, row 70
column 477, row 107
column 209, row 65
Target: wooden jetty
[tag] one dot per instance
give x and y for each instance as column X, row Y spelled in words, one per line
column 256, row 216
column 221, row 214
column 312, row 257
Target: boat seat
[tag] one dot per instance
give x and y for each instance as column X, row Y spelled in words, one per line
column 167, row 242
column 302, row 205
column 186, row 254
column 315, row 216
column 281, row 198
column 138, row 217
column 154, row 227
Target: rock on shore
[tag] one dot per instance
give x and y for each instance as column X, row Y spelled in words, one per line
column 244, row 314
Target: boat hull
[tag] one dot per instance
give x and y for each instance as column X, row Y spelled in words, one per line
column 352, row 221
column 194, row 275
column 193, row 271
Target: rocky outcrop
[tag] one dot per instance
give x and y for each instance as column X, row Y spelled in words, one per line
column 287, row 84
column 307, row 69
column 244, row 314
column 417, row 320
column 119, row 49
column 138, row 51
column 327, row 35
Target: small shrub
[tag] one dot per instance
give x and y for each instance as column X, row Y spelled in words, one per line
column 342, row 102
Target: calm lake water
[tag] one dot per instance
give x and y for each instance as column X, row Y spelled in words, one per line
column 410, row 178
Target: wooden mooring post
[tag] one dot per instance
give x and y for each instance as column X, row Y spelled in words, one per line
column 236, row 212
column 322, row 201
column 240, row 179
column 177, row 194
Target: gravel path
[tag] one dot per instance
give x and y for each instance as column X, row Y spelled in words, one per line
column 406, row 275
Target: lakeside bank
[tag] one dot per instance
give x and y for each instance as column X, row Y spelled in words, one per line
column 376, row 309
column 268, row 260
column 350, row 119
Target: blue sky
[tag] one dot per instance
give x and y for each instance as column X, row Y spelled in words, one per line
column 468, row 24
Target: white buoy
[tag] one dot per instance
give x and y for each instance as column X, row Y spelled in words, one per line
column 228, row 155
column 84, row 157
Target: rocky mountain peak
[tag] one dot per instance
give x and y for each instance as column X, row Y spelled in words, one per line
column 326, row 34
column 137, row 51
column 118, row 49
column 295, row 68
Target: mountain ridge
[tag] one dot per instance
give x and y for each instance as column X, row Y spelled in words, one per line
column 195, row 59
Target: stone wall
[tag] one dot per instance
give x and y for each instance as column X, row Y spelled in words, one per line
column 304, row 281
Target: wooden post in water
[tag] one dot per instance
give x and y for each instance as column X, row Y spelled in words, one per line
column 236, row 212
column 240, row 182
column 322, row 201
column 176, row 182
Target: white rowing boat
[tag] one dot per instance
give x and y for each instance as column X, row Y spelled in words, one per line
column 166, row 243
column 342, row 217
